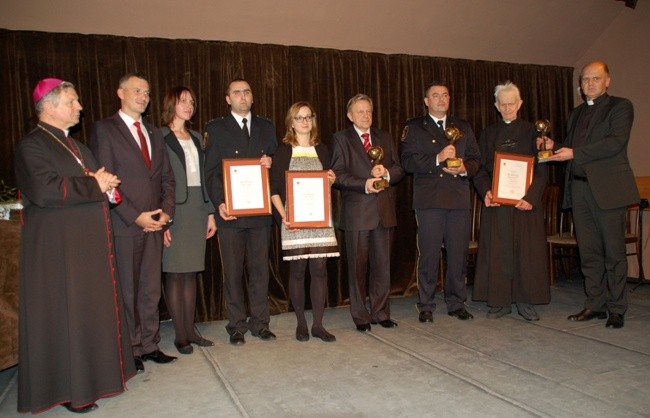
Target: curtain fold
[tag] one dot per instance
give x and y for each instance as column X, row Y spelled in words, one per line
column 279, row 76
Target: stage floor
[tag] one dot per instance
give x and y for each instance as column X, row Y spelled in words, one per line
column 491, row 368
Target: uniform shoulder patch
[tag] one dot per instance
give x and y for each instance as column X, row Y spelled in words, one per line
column 204, row 142
column 405, row 132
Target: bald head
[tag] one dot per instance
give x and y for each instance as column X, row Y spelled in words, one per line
column 594, row 79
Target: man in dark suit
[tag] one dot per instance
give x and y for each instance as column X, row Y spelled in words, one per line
column 135, row 151
column 599, row 185
column 368, row 212
column 441, row 199
column 241, row 134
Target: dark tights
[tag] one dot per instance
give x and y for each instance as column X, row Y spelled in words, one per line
column 317, row 291
column 180, row 297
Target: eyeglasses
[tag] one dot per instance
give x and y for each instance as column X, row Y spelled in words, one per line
column 301, row 119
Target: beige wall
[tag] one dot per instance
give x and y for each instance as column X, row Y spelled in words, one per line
column 625, row 46
column 557, row 32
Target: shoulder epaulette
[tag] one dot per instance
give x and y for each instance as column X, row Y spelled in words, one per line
column 215, row 119
column 264, row 118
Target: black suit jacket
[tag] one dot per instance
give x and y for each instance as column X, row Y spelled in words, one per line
column 350, row 162
column 225, row 139
column 179, row 165
column 142, row 189
column 604, row 155
column 421, row 141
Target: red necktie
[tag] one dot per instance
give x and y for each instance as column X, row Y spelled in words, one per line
column 143, row 145
column 366, row 141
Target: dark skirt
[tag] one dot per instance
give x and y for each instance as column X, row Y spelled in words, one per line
column 187, row 252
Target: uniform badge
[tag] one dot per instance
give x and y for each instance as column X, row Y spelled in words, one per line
column 204, row 144
column 404, row 133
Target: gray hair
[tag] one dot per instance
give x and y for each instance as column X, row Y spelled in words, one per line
column 508, row 86
column 357, row 98
column 52, row 96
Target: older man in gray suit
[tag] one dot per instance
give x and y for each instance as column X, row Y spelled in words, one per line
column 367, row 213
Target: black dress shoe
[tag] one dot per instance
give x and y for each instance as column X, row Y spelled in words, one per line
column 158, row 357
column 265, row 334
column 201, row 342
column 461, row 313
column 302, row 337
column 184, row 347
column 139, row 365
column 615, row 321
column 425, row 316
column 237, row 338
column 80, row 409
column 363, row 327
column 388, row 323
column 586, row 315
column 323, row 335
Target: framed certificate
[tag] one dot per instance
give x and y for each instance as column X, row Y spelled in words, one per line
column 246, row 187
column 512, row 176
column 309, row 203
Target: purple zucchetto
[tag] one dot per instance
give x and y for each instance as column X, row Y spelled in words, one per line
column 43, row 87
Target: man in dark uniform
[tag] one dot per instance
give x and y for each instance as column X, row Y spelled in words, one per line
column 599, row 185
column 441, row 199
column 241, row 134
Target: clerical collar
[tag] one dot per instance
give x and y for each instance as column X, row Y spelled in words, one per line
column 54, row 129
column 596, row 100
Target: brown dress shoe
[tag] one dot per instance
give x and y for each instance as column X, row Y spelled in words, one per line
column 587, row 315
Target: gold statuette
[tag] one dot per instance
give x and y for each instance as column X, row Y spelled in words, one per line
column 376, row 154
column 543, row 126
column 453, row 134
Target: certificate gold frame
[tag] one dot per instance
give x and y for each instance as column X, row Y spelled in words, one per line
column 512, row 176
column 246, row 187
column 299, row 199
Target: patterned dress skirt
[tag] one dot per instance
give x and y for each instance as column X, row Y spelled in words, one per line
column 307, row 242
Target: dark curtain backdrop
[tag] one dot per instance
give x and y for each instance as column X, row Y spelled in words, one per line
column 279, row 76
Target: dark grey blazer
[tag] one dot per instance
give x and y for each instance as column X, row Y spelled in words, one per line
column 350, row 162
column 142, row 189
column 604, row 155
